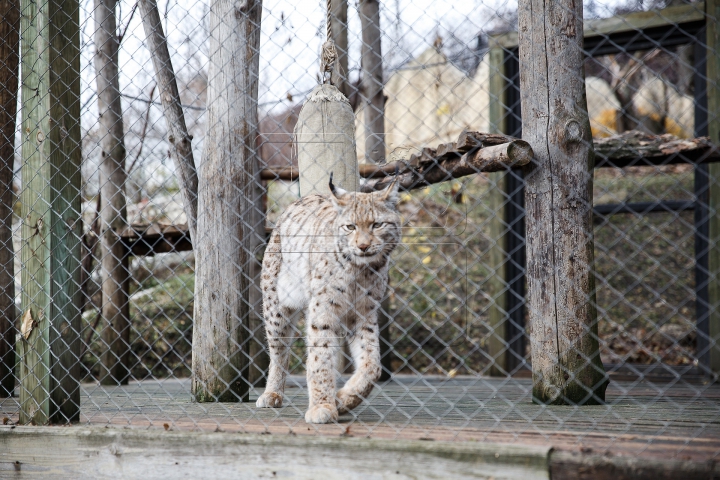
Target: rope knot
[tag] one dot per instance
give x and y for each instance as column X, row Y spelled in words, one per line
column 328, row 56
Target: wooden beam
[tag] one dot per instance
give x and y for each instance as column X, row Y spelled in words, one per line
column 49, row 344
column 713, row 104
column 564, row 343
column 9, row 72
column 631, row 22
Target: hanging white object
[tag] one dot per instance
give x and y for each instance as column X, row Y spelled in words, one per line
column 325, row 142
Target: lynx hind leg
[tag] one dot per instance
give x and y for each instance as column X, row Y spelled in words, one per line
column 365, row 349
column 277, row 327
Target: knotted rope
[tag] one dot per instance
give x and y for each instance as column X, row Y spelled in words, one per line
column 329, row 54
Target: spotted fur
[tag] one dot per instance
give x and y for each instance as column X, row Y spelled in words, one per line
column 328, row 258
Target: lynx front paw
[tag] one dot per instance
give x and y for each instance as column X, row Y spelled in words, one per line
column 321, row 413
column 346, row 400
column 269, row 400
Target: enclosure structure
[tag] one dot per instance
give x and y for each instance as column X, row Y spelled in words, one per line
column 620, row 298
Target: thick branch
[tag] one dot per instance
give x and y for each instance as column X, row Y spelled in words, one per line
column 178, row 136
column 491, row 159
column 473, row 152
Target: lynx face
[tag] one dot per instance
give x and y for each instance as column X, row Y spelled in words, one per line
column 367, row 225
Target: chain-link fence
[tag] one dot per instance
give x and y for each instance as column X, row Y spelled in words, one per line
column 112, row 317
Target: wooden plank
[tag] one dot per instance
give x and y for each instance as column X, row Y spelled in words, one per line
column 9, row 73
column 630, row 22
column 52, row 226
column 497, row 345
column 572, row 465
column 149, row 454
column 713, row 104
column 558, row 200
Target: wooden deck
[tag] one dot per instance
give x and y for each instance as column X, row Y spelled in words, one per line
column 679, row 420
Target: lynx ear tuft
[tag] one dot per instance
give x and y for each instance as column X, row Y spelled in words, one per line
column 338, row 195
column 390, row 194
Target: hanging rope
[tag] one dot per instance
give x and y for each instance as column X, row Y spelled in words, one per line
column 329, row 55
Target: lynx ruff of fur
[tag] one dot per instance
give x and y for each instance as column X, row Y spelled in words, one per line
column 328, row 257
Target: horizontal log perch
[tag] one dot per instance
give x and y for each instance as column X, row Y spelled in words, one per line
column 489, row 159
column 639, row 149
column 473, row 152
column 628, row 149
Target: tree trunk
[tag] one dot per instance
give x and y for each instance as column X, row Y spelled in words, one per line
column 372, row 82
column 227, row 202
column 373, row 99
column 178, row 136
column 339, row 27
column 113, row 215
column 9, row 71
column 561, row 287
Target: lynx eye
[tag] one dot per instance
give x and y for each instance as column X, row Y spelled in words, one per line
column 377, row 225
column 349, row 227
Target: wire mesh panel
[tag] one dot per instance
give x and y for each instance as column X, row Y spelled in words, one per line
column 138, row 244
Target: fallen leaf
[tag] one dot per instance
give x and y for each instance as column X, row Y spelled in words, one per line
column 28, row 323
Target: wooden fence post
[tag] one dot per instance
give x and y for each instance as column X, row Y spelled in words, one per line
column 561, row 287
column 49, row 345
column 227, row 183
column 713, row 103
column 9, row 71
column 113, row 208
column 497, row 346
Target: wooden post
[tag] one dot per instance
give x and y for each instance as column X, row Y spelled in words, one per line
column 497, row 346
column 561, row 287
column 373, row 98
column 113, row 208
column 9, row 71
column 227, row 182
column 49, row 344
column 713, row 103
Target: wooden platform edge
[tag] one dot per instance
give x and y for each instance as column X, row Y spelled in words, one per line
column 565, row 465
column 79, row 452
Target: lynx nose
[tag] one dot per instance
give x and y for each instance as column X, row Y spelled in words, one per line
column 364, row 247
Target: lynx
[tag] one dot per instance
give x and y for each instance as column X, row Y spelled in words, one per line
column 328, row 258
